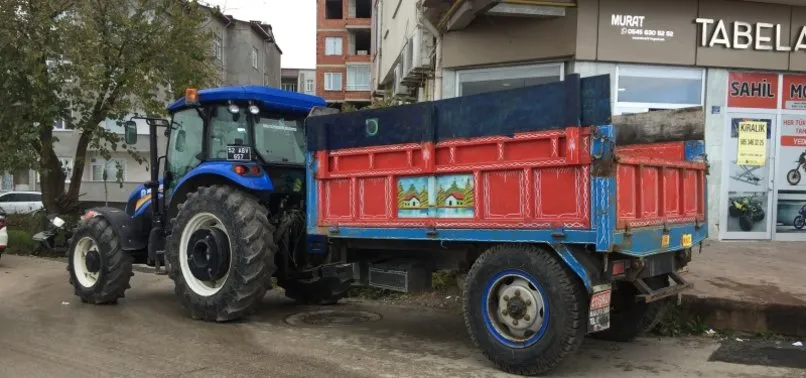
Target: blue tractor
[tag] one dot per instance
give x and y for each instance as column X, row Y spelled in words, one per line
column 227, row 215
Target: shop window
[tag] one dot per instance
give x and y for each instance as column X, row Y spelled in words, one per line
column 469, row 82
column 663, row 87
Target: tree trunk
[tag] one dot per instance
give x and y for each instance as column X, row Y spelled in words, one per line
column 660, row 126
column 50, row 173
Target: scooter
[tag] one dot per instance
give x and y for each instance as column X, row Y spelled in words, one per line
column 46, row 240
column 800, row 220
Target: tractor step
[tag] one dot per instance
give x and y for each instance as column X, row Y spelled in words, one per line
column 399, row 275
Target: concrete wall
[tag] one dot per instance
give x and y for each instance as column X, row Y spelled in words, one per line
column 304, row 76
column 716, row 86
column 397, row 26
column 241, row 39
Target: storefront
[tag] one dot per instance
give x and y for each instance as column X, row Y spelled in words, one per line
column 744, row 62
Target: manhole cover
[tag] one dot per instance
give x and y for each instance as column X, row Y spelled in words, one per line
column 332, row 318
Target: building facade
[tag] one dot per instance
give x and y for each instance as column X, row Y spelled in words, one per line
column 299, row 80
column 244, row 53
column 744, row 62
column 343, row 51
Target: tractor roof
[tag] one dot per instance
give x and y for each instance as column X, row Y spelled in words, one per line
column 267, row 97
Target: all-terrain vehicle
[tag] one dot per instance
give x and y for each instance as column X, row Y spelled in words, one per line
column 748, row 209
column 538, row 202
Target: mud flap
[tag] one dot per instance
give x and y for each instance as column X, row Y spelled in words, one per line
column 599, row 314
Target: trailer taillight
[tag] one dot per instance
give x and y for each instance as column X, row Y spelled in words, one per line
column 618, row 268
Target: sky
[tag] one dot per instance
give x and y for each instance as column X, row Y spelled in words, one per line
column 293, row 23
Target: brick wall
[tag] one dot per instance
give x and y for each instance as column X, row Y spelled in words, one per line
column 332, row 63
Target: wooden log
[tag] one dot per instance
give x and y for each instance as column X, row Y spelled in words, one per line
column 660, row 126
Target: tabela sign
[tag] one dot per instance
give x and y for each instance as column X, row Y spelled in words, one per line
column 752, row 143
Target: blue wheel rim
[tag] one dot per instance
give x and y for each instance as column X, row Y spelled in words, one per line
column 494, row 322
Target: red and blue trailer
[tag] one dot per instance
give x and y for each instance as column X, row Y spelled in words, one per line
column 566, row 222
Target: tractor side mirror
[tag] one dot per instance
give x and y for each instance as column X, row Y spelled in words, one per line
column 130, row 132
column 181, row 135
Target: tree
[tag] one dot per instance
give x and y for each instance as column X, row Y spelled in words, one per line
column 85, row 62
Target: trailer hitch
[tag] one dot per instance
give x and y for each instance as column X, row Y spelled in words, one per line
column 649, row 295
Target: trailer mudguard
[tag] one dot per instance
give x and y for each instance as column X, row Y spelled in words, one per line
column 128, row 230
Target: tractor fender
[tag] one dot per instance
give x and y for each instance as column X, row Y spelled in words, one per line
column 127, row 229
column 225, row 169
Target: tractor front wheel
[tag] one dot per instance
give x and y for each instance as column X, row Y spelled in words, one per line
column 221, row 253
column 99, row 269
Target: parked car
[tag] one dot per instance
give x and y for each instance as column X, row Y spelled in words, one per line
column 3, row 231
column 19, row 202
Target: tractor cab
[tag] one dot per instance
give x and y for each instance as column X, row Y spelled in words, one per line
column 251, row 135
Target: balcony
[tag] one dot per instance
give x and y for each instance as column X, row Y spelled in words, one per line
column 415, row 61
column 450, row 15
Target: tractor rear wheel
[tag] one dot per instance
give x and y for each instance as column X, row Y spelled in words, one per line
column 221, row 253
column 99, row 268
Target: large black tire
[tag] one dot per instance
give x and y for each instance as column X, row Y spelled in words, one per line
column 758, row 216
column 734, row 211
column 115, row 263
column 799, row 222
column 559, row 336
column 629, row 319
column 252, row 253
column 746, row 223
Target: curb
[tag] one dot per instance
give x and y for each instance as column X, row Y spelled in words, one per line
column 721, row 313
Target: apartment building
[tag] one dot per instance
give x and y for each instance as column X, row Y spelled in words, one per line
column 244, row 53
column 343, row 51
column 299, row 80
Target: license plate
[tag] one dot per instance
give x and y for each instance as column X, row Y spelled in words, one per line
column 239, row 153
column 685, row 240
column 599, row 314
column 664, row 241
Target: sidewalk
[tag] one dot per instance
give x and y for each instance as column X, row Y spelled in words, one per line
column 749, row 286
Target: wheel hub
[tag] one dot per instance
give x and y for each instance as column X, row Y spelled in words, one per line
column 93, row 260
column 520, row 308
column 208, row 254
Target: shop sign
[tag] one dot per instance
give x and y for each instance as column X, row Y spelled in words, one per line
column 752, row 90
column 634, row 27
column 760, row 36
column 794, row 95
column 752, row 147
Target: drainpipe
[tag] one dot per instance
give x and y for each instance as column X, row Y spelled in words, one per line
column 437, row 90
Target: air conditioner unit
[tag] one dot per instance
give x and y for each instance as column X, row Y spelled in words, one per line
column 398, row 88
column 423, row 44
column 407, row 58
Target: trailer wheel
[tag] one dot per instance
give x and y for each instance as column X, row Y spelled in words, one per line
column 524, row 309
column 99, row 269
column 221, row 253
column 629, row 319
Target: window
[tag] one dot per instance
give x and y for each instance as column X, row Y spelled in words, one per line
column 471, row 82
column 291, row 87
column 30, row 197
column 663, row 87
column 309, row 86
column 67, row 168
column 363, row 8
column 7, row 182
column 361, row 42
column 218, row 48
column 254, row 58
column 333, row 45
column 358, row 77
column 333, row 81
column 226, row 129
column 114, row 168
column 184, row 151
column 280, row 140
column 334, row 10
column 58, row 124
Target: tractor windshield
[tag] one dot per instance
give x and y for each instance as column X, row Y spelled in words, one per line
column 280, row 139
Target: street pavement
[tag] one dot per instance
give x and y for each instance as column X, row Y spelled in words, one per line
column 45, row 331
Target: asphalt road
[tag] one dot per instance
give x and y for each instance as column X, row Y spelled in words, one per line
column 45, row 331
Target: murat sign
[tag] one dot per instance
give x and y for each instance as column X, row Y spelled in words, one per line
column 738, row 35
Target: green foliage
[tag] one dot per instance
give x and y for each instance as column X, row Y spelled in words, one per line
column 20, row 242
column 677, row 323
column 30, row 223
column 85, row 62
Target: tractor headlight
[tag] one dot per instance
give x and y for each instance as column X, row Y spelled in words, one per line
column 234, row 109
column 254, row 110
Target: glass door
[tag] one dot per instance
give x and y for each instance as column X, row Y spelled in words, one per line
column 746, row 211
column 790, row 178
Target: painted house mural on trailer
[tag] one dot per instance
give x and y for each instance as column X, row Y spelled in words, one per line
column 445, row 197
